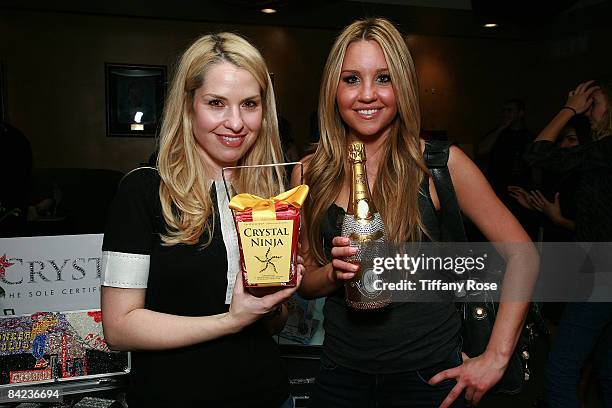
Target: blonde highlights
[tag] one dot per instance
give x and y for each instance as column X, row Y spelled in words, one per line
column 604, row 126
column 184, row 190
column 401, row 167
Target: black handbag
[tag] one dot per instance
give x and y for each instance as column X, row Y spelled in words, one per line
column 477, row 312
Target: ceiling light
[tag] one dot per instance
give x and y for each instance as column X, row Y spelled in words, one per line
column 268, row 10
column 490, row 25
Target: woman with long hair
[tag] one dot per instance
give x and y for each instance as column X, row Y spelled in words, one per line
column 583, row 325
column 172, row 288
column 408, row 354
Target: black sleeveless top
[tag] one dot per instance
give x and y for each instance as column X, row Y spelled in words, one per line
column 401, row 337
column 238, row 370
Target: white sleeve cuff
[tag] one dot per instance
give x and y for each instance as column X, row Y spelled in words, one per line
column 122, row 270
column 230, row 239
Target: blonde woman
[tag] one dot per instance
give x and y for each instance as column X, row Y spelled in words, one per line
column 171, row 291
column 407, row 355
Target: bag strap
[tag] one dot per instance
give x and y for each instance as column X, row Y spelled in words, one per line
column 451, row 222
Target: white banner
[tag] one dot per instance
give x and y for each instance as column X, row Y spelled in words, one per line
column 52, row 274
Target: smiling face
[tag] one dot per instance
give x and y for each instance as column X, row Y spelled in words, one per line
column 365, row 96
column 227, row 114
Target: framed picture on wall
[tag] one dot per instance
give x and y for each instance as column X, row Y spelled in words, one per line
column 134, row 99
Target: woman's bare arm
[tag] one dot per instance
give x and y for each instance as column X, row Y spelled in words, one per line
column 129, row 326
column 479, row 203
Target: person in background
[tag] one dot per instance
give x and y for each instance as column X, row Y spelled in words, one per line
column 290, row 150
column 172, row 290
column 502, row 153
column 505, row 145
column 555, row 199
column 553, row 195
column 582, row 324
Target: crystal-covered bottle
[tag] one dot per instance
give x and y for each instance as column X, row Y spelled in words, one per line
column 364, row 226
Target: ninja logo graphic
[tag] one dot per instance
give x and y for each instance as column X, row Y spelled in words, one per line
column 268, row 261
column 3, row 265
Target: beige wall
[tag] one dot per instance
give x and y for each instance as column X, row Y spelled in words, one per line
column 463, row 82
column 55, row 74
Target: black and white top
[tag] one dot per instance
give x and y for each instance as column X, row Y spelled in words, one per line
column 239, row 370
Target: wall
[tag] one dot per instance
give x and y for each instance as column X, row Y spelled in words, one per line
column 464, row 83
column 55, row 77
column 558, row 65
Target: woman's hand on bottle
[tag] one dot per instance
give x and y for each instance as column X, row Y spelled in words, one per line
column 580, row 99
column 342, row 270
column 476, row 376
column 246, row 308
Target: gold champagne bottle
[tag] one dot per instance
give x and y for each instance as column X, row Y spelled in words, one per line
column 363, row 225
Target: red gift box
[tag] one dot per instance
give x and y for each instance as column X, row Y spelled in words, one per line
column 265, row 237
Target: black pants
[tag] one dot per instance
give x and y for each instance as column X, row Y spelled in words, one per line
column 339, row 387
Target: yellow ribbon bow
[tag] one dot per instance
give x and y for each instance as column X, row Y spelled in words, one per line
column 264, row 208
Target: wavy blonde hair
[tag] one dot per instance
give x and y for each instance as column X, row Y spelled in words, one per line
column 401, row 167
column 604, row 126
column 184, row 190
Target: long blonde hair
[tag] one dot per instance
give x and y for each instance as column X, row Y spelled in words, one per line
column 184, row 189
column 401, row 167
column 604, row 126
